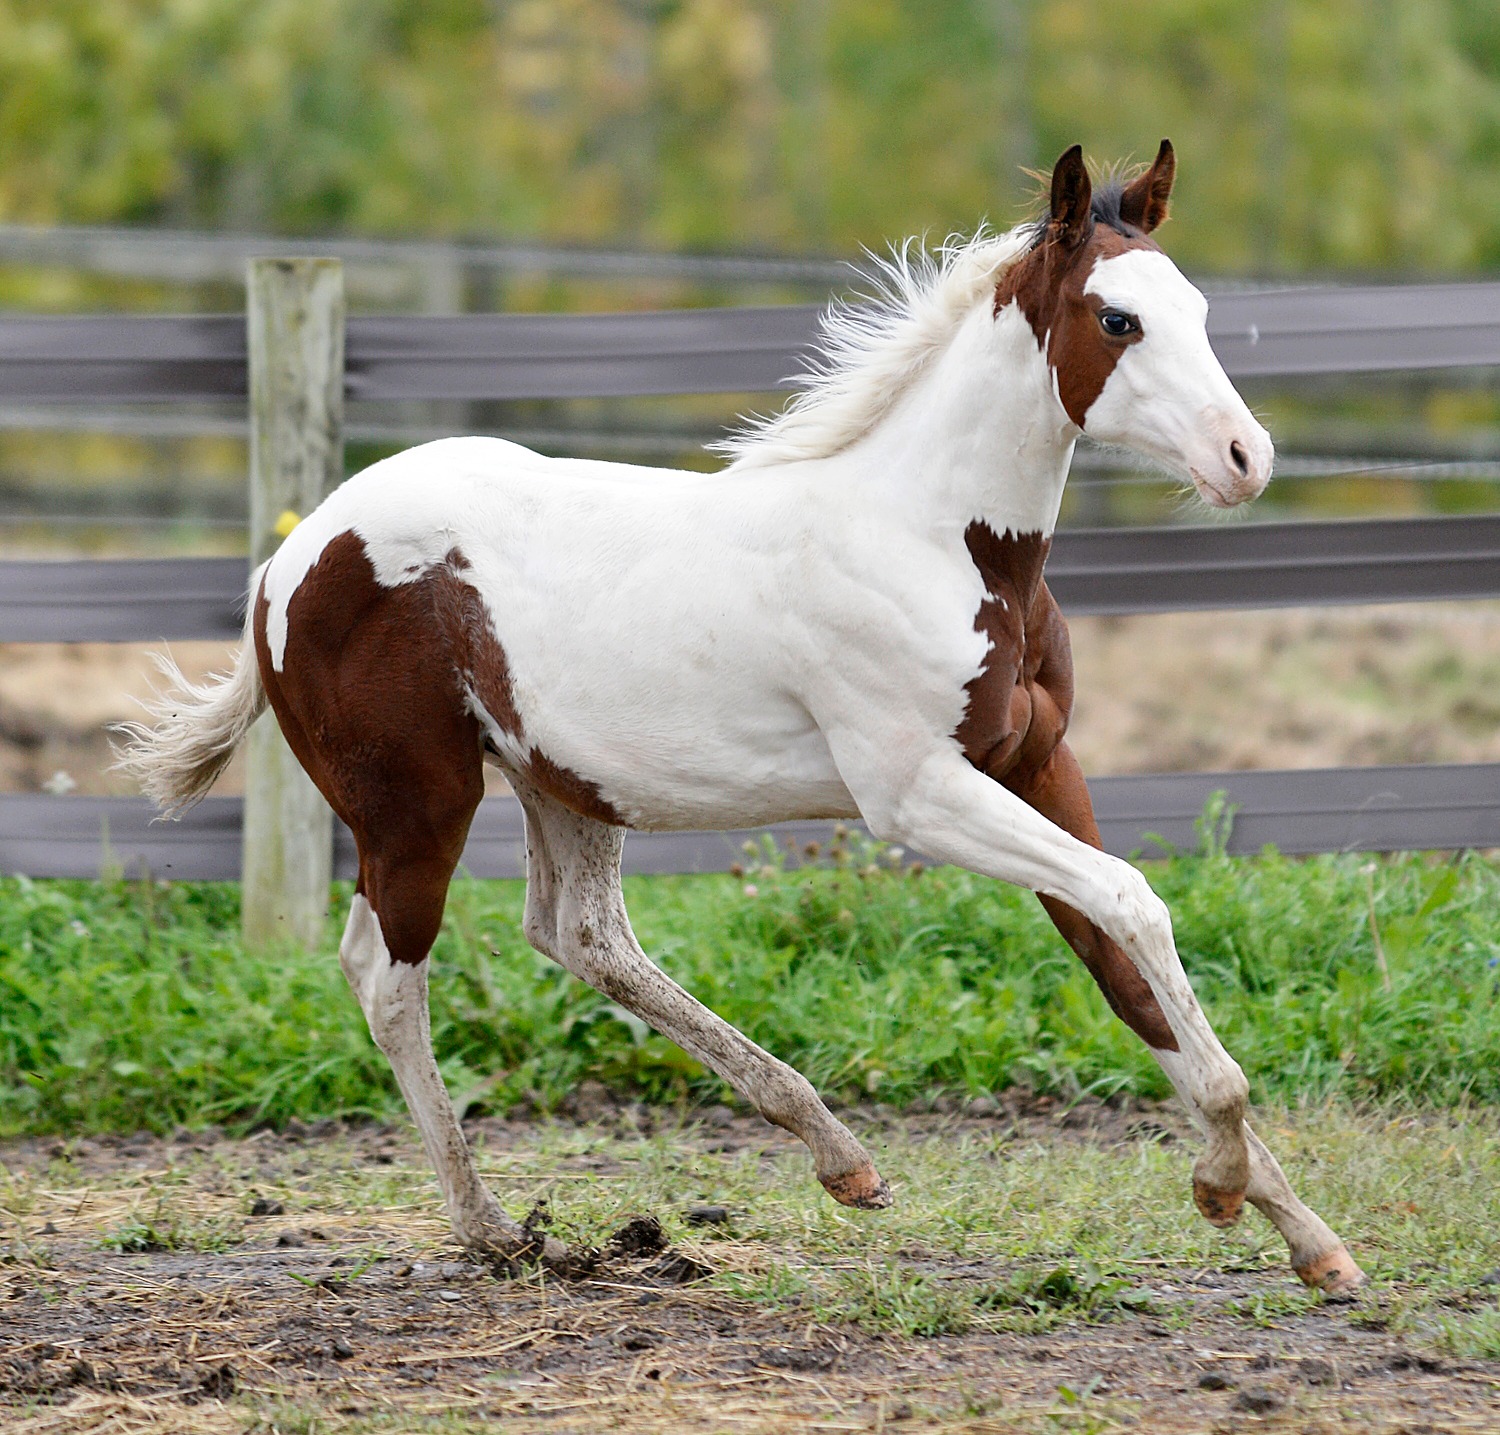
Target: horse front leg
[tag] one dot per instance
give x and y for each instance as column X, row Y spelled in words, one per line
column 1059, row 792
column 939, row 804
column 575, row 914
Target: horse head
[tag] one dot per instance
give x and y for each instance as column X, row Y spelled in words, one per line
column 1125, row 334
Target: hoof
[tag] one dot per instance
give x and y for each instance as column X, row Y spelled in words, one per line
column 1219, row 1208
column 514, row 1248
column 862, row 1187
column 1335, row 1274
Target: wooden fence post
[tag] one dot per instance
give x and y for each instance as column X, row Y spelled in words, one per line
column 295, row 317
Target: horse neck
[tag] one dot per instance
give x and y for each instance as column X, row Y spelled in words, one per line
column 981, row 435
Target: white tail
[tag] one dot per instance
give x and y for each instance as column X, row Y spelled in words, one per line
column 192, row 729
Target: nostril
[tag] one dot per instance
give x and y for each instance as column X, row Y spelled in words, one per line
column 1240, row 457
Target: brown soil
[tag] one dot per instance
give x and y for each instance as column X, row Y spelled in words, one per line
column 208, row 1340
column 1162, row 693
column 1330, row 687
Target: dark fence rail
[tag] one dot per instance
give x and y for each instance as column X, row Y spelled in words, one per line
column 1104, row 570
column 1286, row 332
column 196, row 256
column 1320, row 810
column 546, row 356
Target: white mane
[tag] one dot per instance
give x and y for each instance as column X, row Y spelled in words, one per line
column 873, row 347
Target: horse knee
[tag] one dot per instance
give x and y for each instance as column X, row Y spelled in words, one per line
column 1144, row 919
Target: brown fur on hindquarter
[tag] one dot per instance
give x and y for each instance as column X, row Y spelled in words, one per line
column 386, row 733
column 382, row 729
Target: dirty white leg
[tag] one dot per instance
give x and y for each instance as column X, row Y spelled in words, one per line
column 393, row 996
column 575, row 914
column 1318, row 1256
column 955, row 814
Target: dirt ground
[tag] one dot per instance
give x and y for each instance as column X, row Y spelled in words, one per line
column 1162, row 693
column 364, row 1315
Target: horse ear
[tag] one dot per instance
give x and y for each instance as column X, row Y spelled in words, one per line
column 1069, row 222
column 1144, row 202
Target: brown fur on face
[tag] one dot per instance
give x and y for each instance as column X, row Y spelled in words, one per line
column 1048, row 283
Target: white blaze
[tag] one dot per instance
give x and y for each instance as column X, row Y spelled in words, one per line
column 1169, row 396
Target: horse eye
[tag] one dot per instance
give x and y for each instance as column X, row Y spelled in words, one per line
column 1117, row 323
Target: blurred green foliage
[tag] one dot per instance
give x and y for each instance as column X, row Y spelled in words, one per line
column 1313, row 133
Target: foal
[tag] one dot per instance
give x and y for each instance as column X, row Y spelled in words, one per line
column 850, row 620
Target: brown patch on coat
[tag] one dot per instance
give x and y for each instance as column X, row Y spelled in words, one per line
column 570, row 789
column 373, row 700
column 999, row 711
column 1013, row 730
column 382, row 729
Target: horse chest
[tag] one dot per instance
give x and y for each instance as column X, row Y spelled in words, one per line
column 1010, row 716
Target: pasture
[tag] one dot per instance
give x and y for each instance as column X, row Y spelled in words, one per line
column 216, row 1216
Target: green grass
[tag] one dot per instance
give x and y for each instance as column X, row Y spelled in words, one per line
column 126, row 1005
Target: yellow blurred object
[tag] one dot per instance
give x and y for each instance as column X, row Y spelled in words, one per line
column 286, row 522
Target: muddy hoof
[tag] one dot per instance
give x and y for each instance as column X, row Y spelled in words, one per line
column 1335, row 1274
column 1219, row 1208
column 524, row 1247
column 862, row 1188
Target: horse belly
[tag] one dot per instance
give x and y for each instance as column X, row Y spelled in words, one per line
column 743, row 759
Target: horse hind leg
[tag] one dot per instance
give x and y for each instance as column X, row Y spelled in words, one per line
column 392, row 992
column 575, row 914
column 377, row 715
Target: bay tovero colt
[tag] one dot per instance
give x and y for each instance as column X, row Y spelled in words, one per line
column 849, row 620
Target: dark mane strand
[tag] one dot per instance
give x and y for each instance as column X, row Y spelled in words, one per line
column 1105, row 206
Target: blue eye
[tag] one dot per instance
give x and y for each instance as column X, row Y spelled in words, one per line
column 1117, row 323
